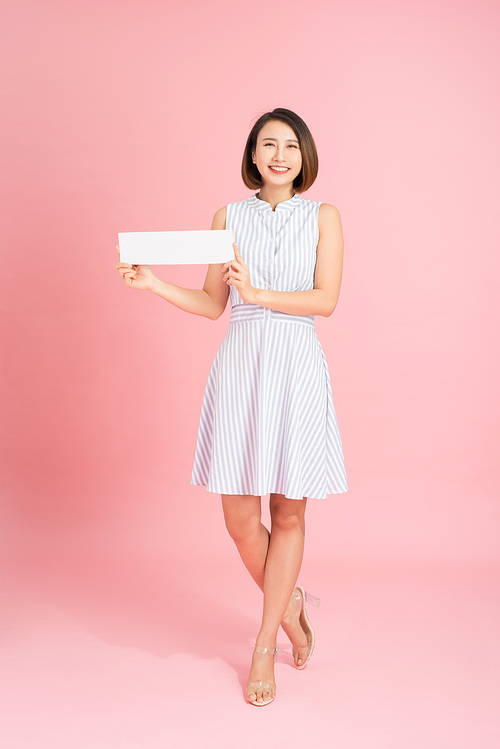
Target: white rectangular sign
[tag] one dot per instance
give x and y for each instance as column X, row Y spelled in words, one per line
column 176, row 247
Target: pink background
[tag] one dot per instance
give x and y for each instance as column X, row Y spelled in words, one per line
column 129, row 116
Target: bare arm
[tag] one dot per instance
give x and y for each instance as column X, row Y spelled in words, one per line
column 210, row 301
column 322, row 299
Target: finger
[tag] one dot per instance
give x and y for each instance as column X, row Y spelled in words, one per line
column 238, row 254
column 128, row 272
column 232, row 272
column 234, row 265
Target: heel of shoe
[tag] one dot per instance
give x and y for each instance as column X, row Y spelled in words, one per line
column 308, row 598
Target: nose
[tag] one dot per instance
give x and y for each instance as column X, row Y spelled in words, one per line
column 280, row 154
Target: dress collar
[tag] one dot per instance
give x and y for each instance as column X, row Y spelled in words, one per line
column 285, row 205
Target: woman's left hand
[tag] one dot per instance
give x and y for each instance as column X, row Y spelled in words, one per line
column 236, row 273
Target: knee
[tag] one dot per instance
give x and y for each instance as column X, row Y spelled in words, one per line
column 241, row 528
column 286, row 517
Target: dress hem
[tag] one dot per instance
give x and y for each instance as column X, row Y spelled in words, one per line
column 264, row 494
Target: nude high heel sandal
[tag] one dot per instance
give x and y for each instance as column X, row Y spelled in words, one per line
column 299, row 598
column 254, row 687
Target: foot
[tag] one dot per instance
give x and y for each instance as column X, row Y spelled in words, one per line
column 261, row 689
column 293, row 629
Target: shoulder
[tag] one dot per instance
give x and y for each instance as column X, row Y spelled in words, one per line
column 326, row 211
column 236, row 206
column 329, row 212
column 328, row 217
column 219, row 220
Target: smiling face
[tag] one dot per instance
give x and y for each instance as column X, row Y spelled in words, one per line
column 277, row 154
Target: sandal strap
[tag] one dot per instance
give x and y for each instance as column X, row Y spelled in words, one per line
column 271, row 651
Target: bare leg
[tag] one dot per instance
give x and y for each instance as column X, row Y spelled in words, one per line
column 242, row 516
column 284, row 558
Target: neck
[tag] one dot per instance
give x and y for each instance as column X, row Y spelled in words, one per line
column 275, row 195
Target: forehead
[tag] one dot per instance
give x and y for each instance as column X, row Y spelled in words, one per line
column 277, row 130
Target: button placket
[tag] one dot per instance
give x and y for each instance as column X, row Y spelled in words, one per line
column 272, row 249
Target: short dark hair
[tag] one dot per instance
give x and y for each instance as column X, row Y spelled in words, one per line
column 308, row 173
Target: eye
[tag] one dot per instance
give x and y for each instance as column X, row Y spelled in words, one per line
column 292, row 145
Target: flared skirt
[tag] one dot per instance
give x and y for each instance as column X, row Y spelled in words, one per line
column 268, row 422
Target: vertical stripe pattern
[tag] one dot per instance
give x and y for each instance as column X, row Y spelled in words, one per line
column 268, row 422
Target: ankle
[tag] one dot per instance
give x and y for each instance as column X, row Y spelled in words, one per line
column 266, row 641
column 266, row 649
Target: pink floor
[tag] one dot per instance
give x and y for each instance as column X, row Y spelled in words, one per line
column 116, row 652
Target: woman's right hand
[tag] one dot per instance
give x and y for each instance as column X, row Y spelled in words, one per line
column 136, row 276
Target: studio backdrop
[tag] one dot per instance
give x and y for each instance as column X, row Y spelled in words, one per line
column 127, row 116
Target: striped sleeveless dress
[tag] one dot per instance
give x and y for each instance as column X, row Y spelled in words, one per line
column 268, row 422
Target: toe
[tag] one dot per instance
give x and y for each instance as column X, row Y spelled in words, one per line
column 299, row 656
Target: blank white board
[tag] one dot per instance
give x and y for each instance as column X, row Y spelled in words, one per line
column 176, row 247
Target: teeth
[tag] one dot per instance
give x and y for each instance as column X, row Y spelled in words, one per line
column 280, row 168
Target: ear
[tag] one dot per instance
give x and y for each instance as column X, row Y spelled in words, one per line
column 253, row 157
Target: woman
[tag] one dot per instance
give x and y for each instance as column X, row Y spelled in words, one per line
column 268, row 423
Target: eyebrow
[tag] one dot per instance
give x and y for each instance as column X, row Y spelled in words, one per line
column 288, row 140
